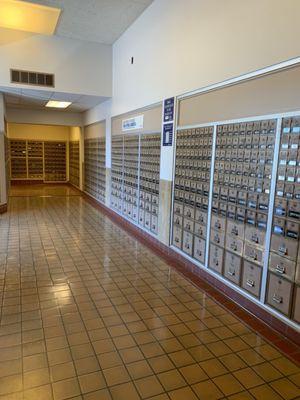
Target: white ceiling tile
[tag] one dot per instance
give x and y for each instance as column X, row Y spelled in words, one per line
column 37, row 99
column 65, row 96
column 10, row 90
column 100, row 21
column 11, row 99
column 39, row 94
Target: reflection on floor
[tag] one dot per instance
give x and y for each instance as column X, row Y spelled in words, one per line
column 90, row 313
column 43, row 190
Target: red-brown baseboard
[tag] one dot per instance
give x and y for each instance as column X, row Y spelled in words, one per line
column 281, row 335
column 3, row 208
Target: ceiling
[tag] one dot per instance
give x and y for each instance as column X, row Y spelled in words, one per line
column 101, row 21
column 37, row 99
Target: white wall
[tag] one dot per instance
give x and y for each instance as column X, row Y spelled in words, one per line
column 38, row 132
column 75, row 132
column 180, row 46
column 27, row 116
column 100, row 113
column 79, row 67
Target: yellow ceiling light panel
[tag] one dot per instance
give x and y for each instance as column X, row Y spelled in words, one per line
column 29, row 17
column 58, row 104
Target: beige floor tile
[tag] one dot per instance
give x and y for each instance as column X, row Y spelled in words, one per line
column 86, row 365
column 143, row 338
column 38, row 377
column 171, row 380
column 139, row 369
column 265, row 392
column 66, row 389
column 116, row 375
column 193, row 374
column 223, row 332
column 162, row 396
column 200, row 353
column 213, row 367
column 118, row 330
column 11, row 384
column 42, row 392
column 103, row 346
column 10, row 340
column 78, row 338
column 286, row 388
column 91, row 382
column 268, row 352
column 295, row 378
column 228, row 384
column 100, row 308
column 236, row 344
column 248, row 378
column 232, row 362
column 57, row 343
column 251, row 357
column 189, row 340
column 35, row 362
column 30, row 349
column 267, row 372
column 149, row 386
column 60, row 356
column 185, row 393
column 62, row 371
column 181, row 358
column 109, row 360
column 285, row 366
column 207, row 336
column 98, row 334
column 132, row 354
column 219, row 348
column 124, row 342
column 11, row 367
column 207, row 390
column 124, row 392
column 161, row 363
column 241, row 396
column 103, row 394
column 151, row 350
column 171, row 345
column 13, row 396
column 179, row 329
column 82, row 351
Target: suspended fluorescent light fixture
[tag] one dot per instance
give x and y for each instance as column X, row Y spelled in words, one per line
column 58, row 104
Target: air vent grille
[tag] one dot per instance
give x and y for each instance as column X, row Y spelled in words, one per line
column 31, row 78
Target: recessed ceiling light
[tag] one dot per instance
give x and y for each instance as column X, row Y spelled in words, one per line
column 58, row 104
column 29, row 17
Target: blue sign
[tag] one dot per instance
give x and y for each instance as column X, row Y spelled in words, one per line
column 168, row 134
column 169, row 105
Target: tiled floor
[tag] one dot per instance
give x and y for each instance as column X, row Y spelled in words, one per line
column 90, row 313
column 43, row 190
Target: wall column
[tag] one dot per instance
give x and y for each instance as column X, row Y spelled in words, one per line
column 108, row 159
column 3, row 181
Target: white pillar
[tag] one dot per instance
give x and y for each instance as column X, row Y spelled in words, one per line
column 81, row 158
column 3, row 186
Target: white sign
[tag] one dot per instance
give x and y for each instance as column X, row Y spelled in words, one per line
column 133, row 123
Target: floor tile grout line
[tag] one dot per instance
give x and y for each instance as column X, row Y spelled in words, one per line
column 143, row 240
column 118, row 281
column 250, row 367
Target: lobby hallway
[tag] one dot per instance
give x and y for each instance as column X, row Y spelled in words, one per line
column 87, row 312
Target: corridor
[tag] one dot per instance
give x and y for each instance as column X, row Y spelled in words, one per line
column 88, row 312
